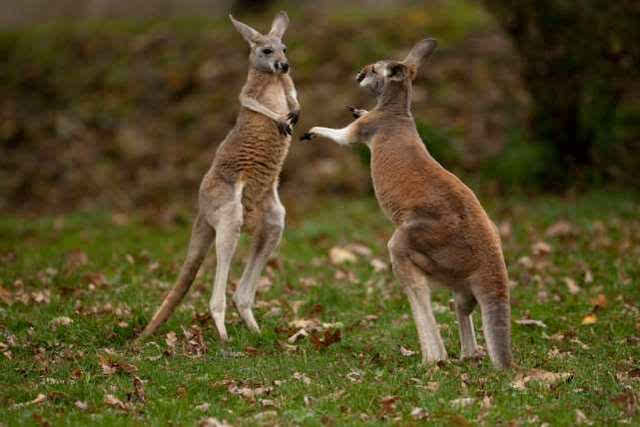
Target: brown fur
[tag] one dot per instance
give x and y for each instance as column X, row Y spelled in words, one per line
column 239, row 192
column 444, row 236
column 254, row 150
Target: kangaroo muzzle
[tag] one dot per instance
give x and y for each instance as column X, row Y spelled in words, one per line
column 283, row 67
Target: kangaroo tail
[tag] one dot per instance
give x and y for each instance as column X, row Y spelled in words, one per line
column 496, row 324
column 202, row 236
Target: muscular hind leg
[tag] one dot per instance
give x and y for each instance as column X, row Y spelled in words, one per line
column 227, row 220
column 266, row 239
column 415, row 284
column 465, row 303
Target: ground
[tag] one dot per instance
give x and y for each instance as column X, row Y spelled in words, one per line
column 75, row 290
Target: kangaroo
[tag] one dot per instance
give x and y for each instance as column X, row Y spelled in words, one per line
column 240, row 190
column 443, row 236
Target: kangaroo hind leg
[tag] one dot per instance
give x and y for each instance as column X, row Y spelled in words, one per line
column 465, row 302
column 227, row 220
column 266, row 238
column 416, row 286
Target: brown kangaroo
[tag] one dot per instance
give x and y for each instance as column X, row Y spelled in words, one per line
column 240, row 190
column 443, row 235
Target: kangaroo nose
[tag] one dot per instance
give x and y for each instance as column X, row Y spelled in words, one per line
column 285, row 67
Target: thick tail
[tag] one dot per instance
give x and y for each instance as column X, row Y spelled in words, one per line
column 202, row 236
column 496, row 325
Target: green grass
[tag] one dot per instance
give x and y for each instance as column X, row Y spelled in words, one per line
column 347, row 380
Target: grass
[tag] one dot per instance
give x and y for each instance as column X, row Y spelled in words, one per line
column 108, row 274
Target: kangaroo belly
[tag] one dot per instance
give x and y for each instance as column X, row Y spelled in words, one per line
column 253, row 153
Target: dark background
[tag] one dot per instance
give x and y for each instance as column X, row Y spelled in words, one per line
column 114, row 104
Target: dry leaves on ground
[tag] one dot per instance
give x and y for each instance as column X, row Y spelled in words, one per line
column 545, row 377
column 114, row 402
column 213, row 422
column 331, row 336
column 339, row 255
column 531, row 322
column 39, row 399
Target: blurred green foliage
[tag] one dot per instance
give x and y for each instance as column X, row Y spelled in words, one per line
column 580, row 65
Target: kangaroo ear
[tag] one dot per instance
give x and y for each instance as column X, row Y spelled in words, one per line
column 280, row 24
column 419, row 54
column 249, row 34
column 397, row 71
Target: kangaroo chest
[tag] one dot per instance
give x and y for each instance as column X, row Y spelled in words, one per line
column 388, row 185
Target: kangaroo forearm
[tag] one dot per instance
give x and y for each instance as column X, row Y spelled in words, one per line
column 342, row 136
column 291, row 94
column 256, row 106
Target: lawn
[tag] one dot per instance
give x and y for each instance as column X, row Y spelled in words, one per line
column 338, row 345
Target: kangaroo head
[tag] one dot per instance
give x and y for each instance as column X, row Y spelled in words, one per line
column 378, row 75
column 268, row 53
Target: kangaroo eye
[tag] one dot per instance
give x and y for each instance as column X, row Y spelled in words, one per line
column 373, row 70
column 267, row 51
column 284, row 50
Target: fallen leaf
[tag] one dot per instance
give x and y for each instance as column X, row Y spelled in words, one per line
column 308, row 400
column 114, row 402
column 505, row 229
column 589, row 319
column 378, row 265
column 203, row 407
column 406, row 352
column 355, row 376
column 213, row 422
column 545, row 377
column 338, row 255
column 486, row 402
column 81, row 405
column 331, row 336
column 39, row 399
column 171, row 340
column 196, row 345
column 5, row 296
column 76, row 259
column 359, row 249
column 295, row 337
column 433, row 386
column 267, row 402
column 571, row 285
column 419, row 413
column 559, row 229
column 531, row 322
column 581, row 418
column 61, row 321
column 107, row 367
column 138, row 387
column 388, row 404
column 42, row 297
column 302, row 377
column 265, row 415
column 526, row 262
column 588, row 276
column 540, row 248
column 349, row 276
column 462, row 402
column 627, row 402
column 599, row 301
